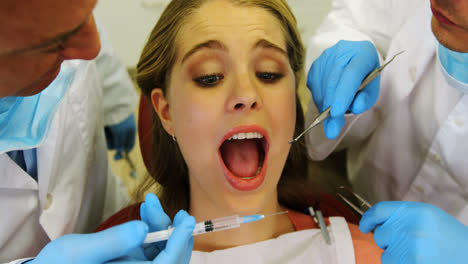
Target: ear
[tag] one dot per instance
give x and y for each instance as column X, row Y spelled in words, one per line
column 161, row 106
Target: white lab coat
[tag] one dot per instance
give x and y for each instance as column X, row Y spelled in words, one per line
column 412, row 144
column 76, row 189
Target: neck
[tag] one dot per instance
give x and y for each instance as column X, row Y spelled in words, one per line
column 267, row 228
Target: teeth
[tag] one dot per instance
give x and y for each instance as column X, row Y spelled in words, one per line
column 256, row 173
column 248, row 135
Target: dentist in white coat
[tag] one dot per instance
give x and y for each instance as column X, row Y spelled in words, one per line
column 54, row 174
column 412, row 144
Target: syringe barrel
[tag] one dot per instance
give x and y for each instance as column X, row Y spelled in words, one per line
column 158, row 236
column 217, row 224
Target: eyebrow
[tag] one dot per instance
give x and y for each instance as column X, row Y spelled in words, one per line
column 57, row 39
column 217, row 45
column 211, row 44
column 263, row 43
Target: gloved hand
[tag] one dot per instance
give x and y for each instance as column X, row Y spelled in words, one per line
column 94, row 248
column 334, row 80
column 178, row 249
column 412, row 233
column 121, row 137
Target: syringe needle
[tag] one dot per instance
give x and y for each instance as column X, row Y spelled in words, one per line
column 277, row 213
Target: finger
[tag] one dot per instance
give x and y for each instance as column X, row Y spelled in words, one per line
column 396, row 252
column 179, row 242
column 109, row 138
column 188, row 255
column 128, row 262
column 349, row 84
column 366, row 98
column 118, row 153
column 112, row 243
column 153, row 214
column 130, row 142
column 333, row 79
column 384, row 234
column 152, row 250
column 377, row 215
column 314, row 83
column 332, row 126
column 388, row 257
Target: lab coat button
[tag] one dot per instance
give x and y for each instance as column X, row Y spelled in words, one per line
column 412, row 73
column 48, row 201
column 436, row 157
column 419, row 189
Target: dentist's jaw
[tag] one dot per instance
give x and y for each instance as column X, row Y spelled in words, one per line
column 243, row 154
column 42, row 81
column 450, row 24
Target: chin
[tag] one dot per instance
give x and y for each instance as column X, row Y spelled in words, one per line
column 448, row 38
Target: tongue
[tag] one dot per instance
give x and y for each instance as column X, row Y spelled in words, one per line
column 241, row 157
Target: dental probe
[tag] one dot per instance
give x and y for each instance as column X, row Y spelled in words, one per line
column 208, row 226
column 325, row 114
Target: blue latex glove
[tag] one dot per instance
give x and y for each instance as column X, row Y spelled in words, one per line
column 94, row 248
column 121, row 137
column 412, row 233
column 178, row 249
column 334, row 80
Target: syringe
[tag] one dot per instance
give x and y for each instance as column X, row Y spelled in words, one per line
column 213, row 225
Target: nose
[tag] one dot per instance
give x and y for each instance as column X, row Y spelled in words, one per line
column 85, row 44
column 244, row 96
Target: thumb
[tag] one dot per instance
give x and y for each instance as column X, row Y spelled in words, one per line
column 377, row 215
column 180, row 243
column 114, row 242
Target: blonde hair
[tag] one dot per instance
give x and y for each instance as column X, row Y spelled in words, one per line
column 154, row 70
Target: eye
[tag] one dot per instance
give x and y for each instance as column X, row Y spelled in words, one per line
column 269, row 77
column 209, row 80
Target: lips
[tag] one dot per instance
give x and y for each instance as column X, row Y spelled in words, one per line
column 241, row 150
column 442, row 19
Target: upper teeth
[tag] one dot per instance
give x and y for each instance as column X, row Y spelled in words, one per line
column 248, row 135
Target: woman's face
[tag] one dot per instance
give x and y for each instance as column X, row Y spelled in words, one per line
column 231, row 104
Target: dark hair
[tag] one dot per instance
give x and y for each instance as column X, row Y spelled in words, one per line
column 153, row 71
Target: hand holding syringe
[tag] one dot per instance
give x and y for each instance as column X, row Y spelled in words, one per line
column 207, row 226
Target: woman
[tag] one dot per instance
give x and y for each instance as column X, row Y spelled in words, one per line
column 222, row 76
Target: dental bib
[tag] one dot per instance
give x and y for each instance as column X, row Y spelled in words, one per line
column 25, row 121
column 454, row 67
column 306, row 246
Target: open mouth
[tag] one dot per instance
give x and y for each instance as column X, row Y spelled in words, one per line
column 243, row 154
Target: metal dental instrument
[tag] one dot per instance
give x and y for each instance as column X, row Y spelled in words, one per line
column 207, row 226
column 325, row 114
column 133, row 172
column 318, row 219
column 362, row 203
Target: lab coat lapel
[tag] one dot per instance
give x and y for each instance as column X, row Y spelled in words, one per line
column 415, row 60
column 47, row 161
column 14, row 177
column 65, row 158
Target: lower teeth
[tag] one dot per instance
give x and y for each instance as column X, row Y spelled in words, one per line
column 256, row 173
